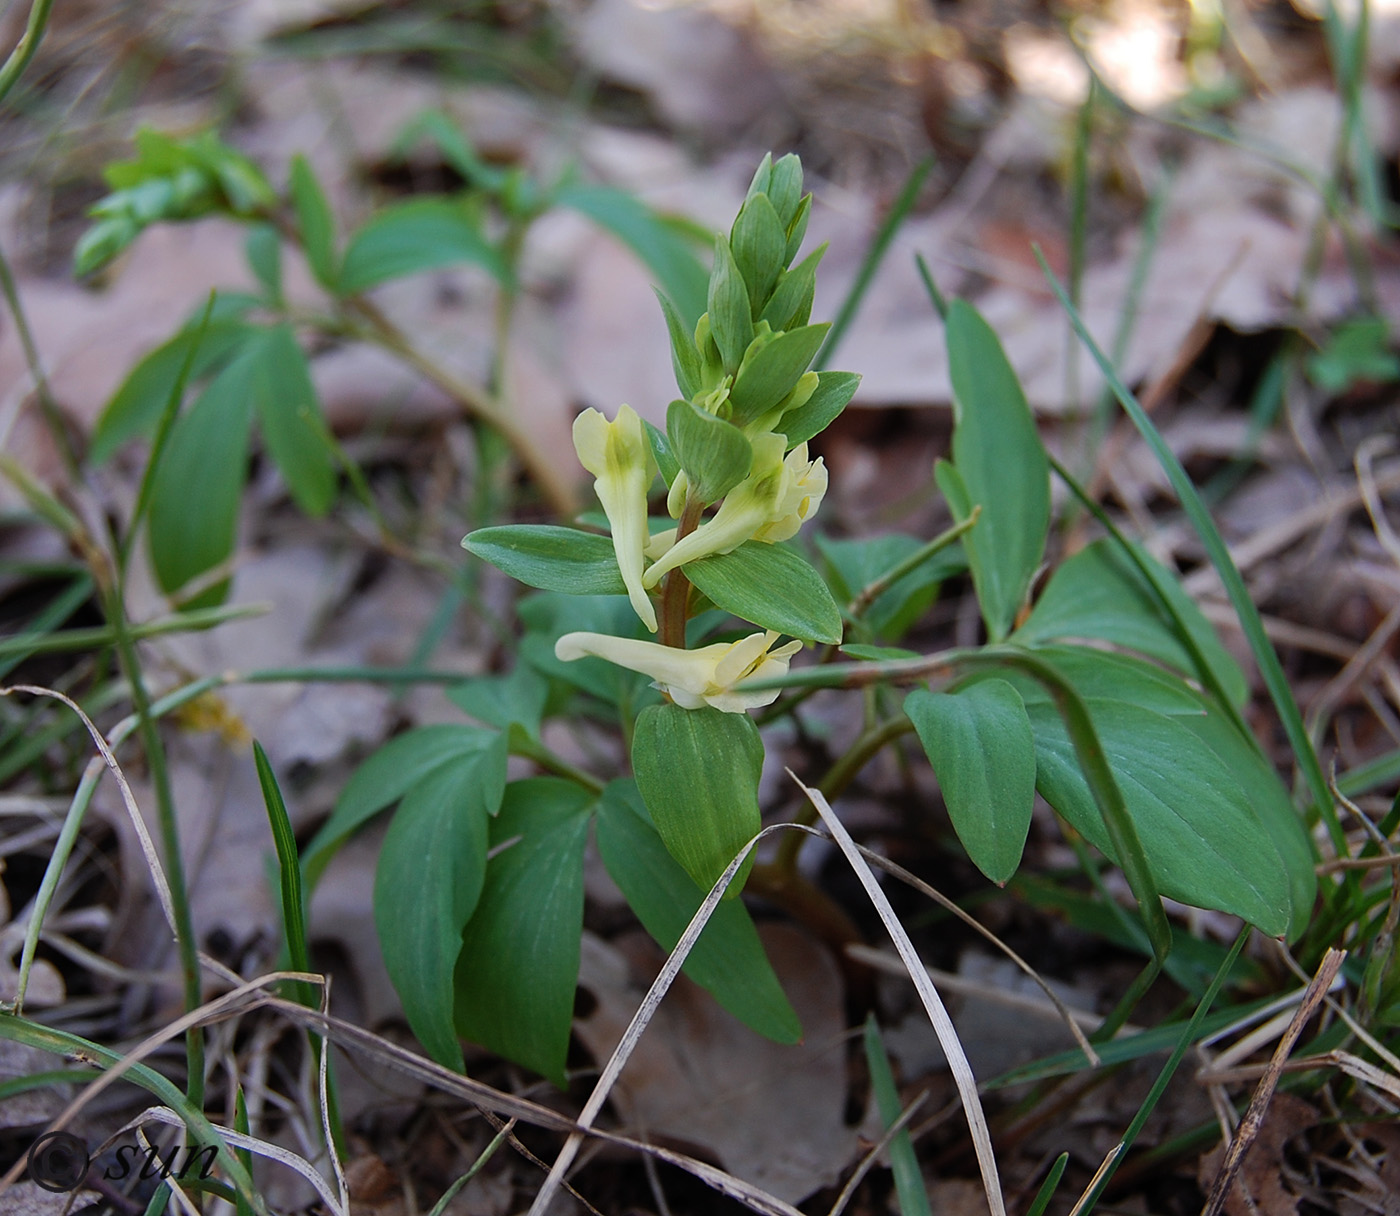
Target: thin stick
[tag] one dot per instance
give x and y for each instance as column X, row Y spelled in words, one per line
column 1263, row 1094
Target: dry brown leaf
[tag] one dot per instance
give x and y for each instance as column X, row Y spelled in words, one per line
column 772, row 1115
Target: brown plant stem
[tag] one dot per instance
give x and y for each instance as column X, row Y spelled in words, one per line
column 676, row 597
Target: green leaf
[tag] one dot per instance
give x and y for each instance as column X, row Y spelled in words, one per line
column 731, row 323
column 714, row 453
column 655, row 241
column 980, row 745
column 518, row 966
column 199, row 483
column 1102, row 675
column 774, row 372
column 834, row 392
column 429, row 879
column 550, row 557
column 1099, row 593
column 315, row 223
column 685, row 359
column 698, row 770
column 759, row 241
column 1002, row 463
column 855, row 564
column 136, row 407
column 424, row 234
column 387, row 776
column 728, row 960
column 1204, row 843
column 293, row 427
column 790, row 305
column 772, row 586
column 1271, row 802
column 517, row 699
column 1357, row 351
column 263, row 249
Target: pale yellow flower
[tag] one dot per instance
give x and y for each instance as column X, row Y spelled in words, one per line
column 770, row 505
column 619, row 457
column 692, row 678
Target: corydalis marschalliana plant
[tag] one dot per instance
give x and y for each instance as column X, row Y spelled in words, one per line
column 739, row 481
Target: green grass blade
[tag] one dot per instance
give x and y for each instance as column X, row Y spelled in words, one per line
column 896, row 215
column 1047, row 1188
column 288, row 873
column 908, row 1179
column 62, row 1043
column 1269, row 666
column 1149, row 1104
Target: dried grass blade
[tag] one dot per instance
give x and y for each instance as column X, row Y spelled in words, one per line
column 613, row 1069
column 933, row 1004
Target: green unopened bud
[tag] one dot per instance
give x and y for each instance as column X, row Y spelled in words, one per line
column 759, row 243
column 785, row 187
column 731, row 321
column 773, row 372
column 797, row 229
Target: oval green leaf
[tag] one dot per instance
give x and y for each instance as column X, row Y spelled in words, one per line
column 198, row 485
column 426, row 887
column 774, row 371
column 1204, row 843
column 714, row 453
column 980, row 745
column 698, row 770
column 773, row 587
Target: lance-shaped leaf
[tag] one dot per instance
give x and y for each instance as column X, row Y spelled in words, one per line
column 714, row 453
column 388, row 774
column 833, row 394
column 199, row 483
column 289, row 414
column 315, row 223
column 790, row 305
column 426, row 887
column 518, row 966
column 980, row 745
column 728, row 960
column 698, row 770
column 1002, row 465
column 685, row 359
column 550, row 558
